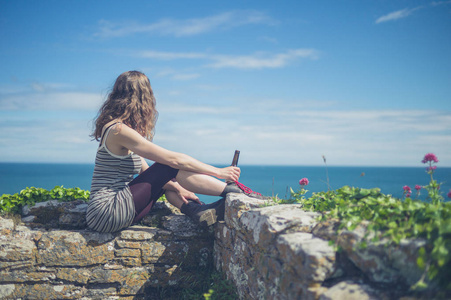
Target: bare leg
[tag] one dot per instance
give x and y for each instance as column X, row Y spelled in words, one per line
column 174, row 199
column 200, row 183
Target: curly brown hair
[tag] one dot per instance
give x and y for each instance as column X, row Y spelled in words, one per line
column 132, row 102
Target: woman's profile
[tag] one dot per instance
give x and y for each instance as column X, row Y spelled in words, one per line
column 124, row 127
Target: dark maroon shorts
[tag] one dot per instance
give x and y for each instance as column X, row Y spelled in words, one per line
column 147, row 187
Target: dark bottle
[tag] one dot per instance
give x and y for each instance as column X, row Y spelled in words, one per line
column 235, row 158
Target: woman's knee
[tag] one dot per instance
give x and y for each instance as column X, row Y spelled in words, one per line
column 183, row 174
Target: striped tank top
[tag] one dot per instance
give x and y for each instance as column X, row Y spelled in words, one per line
column 111, row 206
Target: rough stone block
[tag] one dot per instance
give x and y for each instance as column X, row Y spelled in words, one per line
column 17, row 253
column 138, row 233
column 94, row 238
column 72, row 220
column 130, row 280
column 327, row 230
column 134, row 283
column 182, row 227
column 129, row 261
column 128, row 244
column 102, row 275
column 190, row 254
column 101, row 292
column 159, row 210
column 29, row 219
column 371, row 260
column 7, row 290
column 268, row 272
column 152, row 252
column 70, row 248
column 264, row 224
column 380, row 261
column 175, row 277
column 240, row 278
column 310, row 258
column 127, row 253
column 36, row 208
column 404, row 259
column 47, row 291
column 6, row 226
column 78, row 276
column 57, row 214
column 236, row 205
column 20, row 276
column 222, row 233
column 25, row 233
column 221, row 256
column 348, row 290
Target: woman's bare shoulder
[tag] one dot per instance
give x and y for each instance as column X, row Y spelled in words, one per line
column 117, row 127
column 109, row 124
column 122, row 130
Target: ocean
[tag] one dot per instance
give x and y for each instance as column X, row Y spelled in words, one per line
column 268, row 180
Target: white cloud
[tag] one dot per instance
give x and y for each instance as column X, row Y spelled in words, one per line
column 43, row 87
column 254, row 61
column 193, row 109
column 396, row 15
column 267, row 131
column 175, row 75
column 269, row 39
column 32, row 87
column 51, row 101
column 170, row 55
column 404, row 13
column 437, row 3
column 190, row 76
column 47, row 141
column 187, row 27
column 296, row 137
column 260, row 61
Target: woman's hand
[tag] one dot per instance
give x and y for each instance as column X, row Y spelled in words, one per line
column 230, row 173
column 187, row 195
column 181, row 192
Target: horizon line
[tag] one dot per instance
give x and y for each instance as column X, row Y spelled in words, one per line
column 241, row 165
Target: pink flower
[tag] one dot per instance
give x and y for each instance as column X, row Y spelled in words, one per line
column 407, row 189
column 431, row 168
column 303, row 181
column 449, row 194
column 430, row 157
column 408, row 195
column 418, row 187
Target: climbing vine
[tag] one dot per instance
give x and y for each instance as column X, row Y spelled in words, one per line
column 392, row 218
column 31, row 195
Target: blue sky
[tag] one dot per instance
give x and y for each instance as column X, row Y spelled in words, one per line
column 285, row 82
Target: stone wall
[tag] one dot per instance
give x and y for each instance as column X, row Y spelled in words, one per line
column 282, row 252
column 268, row 252
column 43, row 261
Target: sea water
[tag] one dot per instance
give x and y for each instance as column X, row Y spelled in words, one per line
column 268, row 180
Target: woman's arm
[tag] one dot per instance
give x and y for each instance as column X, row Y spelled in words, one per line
column 130, row 139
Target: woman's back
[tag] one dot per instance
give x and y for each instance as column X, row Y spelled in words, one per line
column 113, row 172
column 111, row 205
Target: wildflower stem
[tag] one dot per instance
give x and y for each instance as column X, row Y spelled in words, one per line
column 327, row 173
